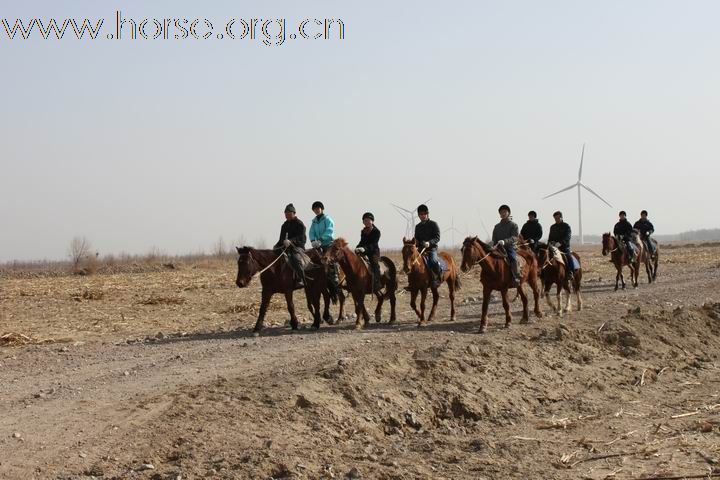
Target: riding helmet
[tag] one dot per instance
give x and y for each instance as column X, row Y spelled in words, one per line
column 318, row 204
column 423, row 209
column 557, row 213
column 504, row 207
column 532, row 213
column 622, row 212
column 368, row 215
column 644, row 212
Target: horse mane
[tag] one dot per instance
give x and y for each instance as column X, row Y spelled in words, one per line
column 340, row 243
column 471, row 240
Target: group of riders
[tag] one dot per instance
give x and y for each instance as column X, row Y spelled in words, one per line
column 505, row 238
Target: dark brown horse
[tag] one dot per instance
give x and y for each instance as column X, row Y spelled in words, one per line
column 359, row 280
column 278, row 278
column 554, row 272
column 496, row 275
column 619, row 257
column 420, row 279
column 650, row 260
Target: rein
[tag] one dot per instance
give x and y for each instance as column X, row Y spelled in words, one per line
column 417, row 259
column 272, row 263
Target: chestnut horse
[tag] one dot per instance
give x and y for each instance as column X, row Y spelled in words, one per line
column 278, row 278
column 619, row 257
column 420, row 279
column 496, row 275
column 554, row 271
column 359, row 280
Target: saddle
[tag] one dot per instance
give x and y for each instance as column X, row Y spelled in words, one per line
column 443, row 264
column 560, row 257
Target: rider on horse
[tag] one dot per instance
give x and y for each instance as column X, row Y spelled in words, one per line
column 559, row 237
column 623, row 231
column 646, row 229
column 505, row 234
column 368, row 246
column 427, row 237
column 321, row 237
column 532, row 231
column 292, row 240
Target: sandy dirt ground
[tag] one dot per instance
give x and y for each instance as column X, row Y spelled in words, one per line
column 157, row 376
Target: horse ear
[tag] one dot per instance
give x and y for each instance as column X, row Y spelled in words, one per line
column 475, row 237
column 238, row 249
column 404, row 239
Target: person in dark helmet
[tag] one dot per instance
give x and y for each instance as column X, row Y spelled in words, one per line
column 369, row 247
column 292, row 241
column 623, row 231
column 646, row 228
column 559, row 237
column 532, row 231
column 505, row 235
column 427, row 237
column 321, row 237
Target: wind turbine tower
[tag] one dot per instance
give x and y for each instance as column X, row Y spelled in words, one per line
column 579, row 185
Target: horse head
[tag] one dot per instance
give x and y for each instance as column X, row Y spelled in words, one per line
column 607, row 243
column 247, row 266
column 335, row 252
column 471, row 250
column 409, row 253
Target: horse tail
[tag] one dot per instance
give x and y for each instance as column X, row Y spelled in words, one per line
column 392, row 272
column 456, row 272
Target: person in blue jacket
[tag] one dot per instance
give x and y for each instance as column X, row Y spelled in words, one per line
column 322, row 234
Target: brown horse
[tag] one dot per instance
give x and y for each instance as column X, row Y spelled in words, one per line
column 278, row 278
column 359, row 280
column 620, row 258
column 496, row 275
column 420, row 279
column 554, row 271
column 650, row 260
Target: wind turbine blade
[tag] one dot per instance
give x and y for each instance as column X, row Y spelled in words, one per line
column 582, row 157
column 401, row 208
column 560, row 191
column 598, row 196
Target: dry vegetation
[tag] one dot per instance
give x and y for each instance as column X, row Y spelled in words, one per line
column 149, row 371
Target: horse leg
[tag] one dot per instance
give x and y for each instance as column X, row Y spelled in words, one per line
column 546, row 288
column 341, row 301
column 506, row 306
column 523, row 296
column 423, row 297
column 291, row 310
column 451, row 294
column 576, row 287
column 264, row 302
column 358, row 299
column 558, row 298
column 326, row 311
column 378, row 309
column 536, row 298
column 487, row 291
column 617, row 277
column 413, row 304
column 316, row 308
column 435, row 296
column 568, row 303
column 392, row 299
column 365, row 314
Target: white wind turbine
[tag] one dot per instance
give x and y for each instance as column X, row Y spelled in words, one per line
column 409, row 216
column 452, row 231
column 579, row 184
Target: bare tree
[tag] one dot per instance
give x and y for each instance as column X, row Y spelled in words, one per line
column 261, row 243
column 219, row 249
column 78, row 251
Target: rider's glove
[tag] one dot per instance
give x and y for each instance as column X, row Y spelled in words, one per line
column 359, row 250
column 426, row 244
column 287, row 243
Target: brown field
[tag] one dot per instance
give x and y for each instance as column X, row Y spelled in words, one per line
column 155, row 375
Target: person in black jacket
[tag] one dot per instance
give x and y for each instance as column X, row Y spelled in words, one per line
column 427, row 237
column 532, row 231
column 292, row 241
column 368, row 246
column 623, row 231
column 559, row 236
column 646, row 228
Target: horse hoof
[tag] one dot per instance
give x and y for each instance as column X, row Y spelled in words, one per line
column 392, row 320
column 422, row 324
column 539, row 314
column 524, row 321
column 481, row 330
column 453, row 318
column 256, row 334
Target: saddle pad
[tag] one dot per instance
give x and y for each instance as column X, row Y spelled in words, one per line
column 443, row 264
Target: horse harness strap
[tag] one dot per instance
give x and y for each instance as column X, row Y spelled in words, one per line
column 282, row 254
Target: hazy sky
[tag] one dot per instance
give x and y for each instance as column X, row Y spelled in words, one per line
column 174, row 143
